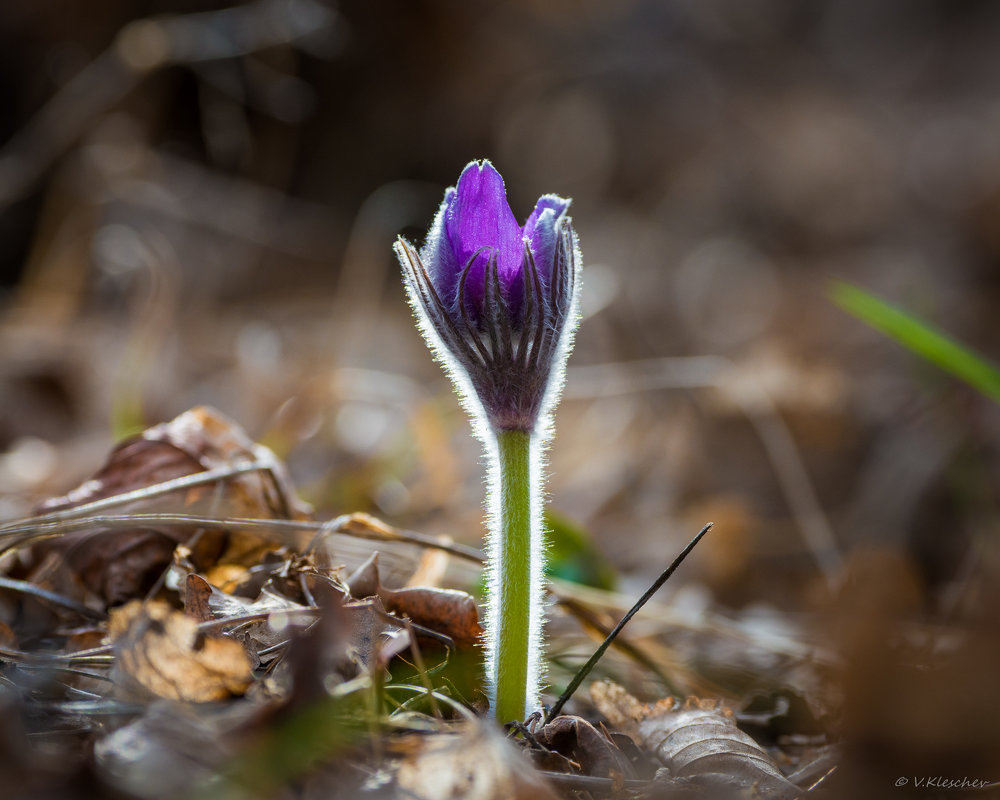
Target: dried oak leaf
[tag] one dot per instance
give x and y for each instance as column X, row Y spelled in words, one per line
column 124, row 564
column 446, row 611
column 694, row 739
column 162, row 651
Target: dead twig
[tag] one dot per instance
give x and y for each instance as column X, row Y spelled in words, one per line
column 27, row 524
column 95, row 656
column 35, row 529
column 587, row 618
column 584, row 671
column 30, row 589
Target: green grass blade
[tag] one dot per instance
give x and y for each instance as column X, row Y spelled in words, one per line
column 920, row 338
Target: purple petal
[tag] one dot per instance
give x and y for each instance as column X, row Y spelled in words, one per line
column 438, row 255
column 480, row 217
column 541, row 231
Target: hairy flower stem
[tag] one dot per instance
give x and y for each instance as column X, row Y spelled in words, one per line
column 497, row 303
column 514, row 635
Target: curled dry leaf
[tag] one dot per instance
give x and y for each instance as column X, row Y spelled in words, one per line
column 580, row 741
column 122, row 565
column 375, row 638
column 197, row 594
column 472, row 763
column 694, row 739
column 163, row 652
column 446, row 611
column 204, row 602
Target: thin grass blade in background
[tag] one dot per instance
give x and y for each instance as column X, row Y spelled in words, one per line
column 919, row 337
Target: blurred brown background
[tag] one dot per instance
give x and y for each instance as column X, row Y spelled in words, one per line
column 199, row 208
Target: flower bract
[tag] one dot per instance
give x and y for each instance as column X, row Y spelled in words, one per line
column 496, row 299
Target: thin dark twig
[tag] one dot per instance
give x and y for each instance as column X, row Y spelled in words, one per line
column 242, row 620
column 584, row 671
column 347, row 525
column 274, row 648
column 427, row 633
column 25, row 665
column 16, row 526
column 521, row 728
column 588, row 618
column 91, row 707
column 95, row 656
column 27, row 588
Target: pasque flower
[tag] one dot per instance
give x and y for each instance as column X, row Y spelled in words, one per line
column 497, row 303
column 497, row 297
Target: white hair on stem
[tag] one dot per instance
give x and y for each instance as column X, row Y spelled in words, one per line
column 540, row 432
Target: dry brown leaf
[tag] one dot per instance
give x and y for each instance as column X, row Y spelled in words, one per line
column 197, row 593
column 162, row 651
column 281, row 614
column 446, row 611
column 375, row 638
column 474, row 763
column 122, row 565
column 577, row 739
column 694, row 739
column 7, row 636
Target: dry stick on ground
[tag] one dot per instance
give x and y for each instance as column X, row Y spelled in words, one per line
column 52, row 598
column 584, row 671
column 95, row 656
column 354, row 525
column 26, row 524
column 588, row 619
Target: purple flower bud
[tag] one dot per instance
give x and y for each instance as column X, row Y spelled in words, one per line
column 497, row 300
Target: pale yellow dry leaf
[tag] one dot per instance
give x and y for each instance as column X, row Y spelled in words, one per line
column 431, row 569
column 622, row 710
column 227, row 576
column 162, row 651
column 474, row 763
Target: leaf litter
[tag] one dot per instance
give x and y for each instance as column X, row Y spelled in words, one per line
column 179, row 625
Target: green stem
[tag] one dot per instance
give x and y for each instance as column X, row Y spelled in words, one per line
column 513, row 658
